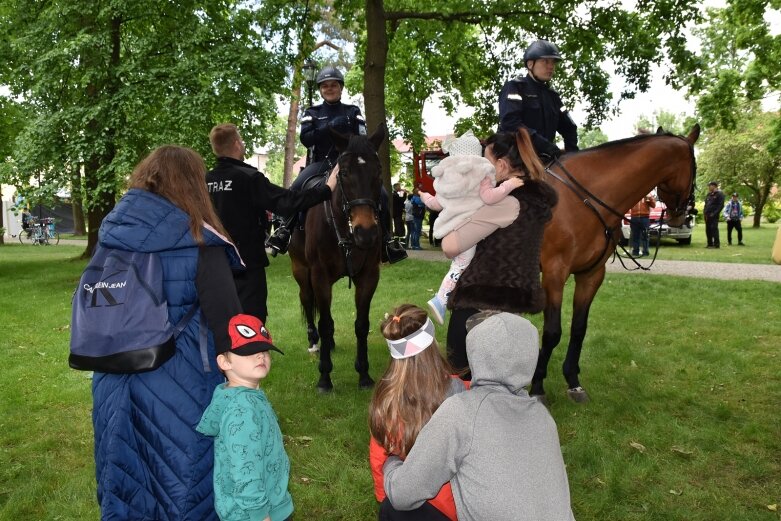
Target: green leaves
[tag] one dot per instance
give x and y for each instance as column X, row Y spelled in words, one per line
column 110, row 80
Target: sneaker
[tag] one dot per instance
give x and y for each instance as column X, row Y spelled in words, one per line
column 635, row 253
column 741, row 244
column 646, row 254
column 437, row 308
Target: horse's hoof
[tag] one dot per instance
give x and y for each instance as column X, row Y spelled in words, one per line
column 542, row 398
column 314, row 348
column 324, row 386
column 578, row 395
column 365, row 383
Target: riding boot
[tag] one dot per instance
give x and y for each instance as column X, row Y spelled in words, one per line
column 280, row 239
column 392, row 250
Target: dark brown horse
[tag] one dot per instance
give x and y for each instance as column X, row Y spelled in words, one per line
column 596, row 187
column 341, row 238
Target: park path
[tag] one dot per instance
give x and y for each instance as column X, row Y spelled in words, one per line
column 706, row 270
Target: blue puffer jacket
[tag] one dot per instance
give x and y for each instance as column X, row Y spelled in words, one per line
column 150, row 462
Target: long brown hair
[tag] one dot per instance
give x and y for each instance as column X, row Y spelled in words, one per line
column 411, row 389
column 519, row 151
column 179, row 174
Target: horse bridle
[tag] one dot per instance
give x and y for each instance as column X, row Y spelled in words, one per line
column 347, row 242
column 587, row 197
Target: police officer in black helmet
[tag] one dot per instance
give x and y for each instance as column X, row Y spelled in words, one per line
column 529, row 102
column 316, row 126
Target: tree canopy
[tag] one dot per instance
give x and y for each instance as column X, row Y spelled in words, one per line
column 107, row 81
column 740, row 161
column 736, row 66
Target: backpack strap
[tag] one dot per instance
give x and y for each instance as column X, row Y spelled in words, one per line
column 203, row 343
column 203, row 340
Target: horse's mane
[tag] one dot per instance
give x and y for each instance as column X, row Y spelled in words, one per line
column 628, row 140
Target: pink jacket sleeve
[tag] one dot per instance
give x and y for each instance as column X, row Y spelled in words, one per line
column 493, row 194
column 430, row 201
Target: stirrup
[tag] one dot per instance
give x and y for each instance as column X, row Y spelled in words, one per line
column 393, row 252
column 279, row 241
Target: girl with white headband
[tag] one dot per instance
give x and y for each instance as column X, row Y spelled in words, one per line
column 417, row 381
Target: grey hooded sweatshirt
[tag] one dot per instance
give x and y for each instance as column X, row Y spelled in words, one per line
column 498, row 447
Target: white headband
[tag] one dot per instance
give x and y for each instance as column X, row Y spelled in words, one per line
column 413, row 344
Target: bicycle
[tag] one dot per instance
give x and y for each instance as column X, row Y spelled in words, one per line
column 40, row 232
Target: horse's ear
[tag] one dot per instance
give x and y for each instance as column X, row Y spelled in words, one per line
column 340, row 140
column 379, row 135
column 660, row 130
column 694, row 134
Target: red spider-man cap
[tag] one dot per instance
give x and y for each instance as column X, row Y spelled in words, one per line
column 249, row 336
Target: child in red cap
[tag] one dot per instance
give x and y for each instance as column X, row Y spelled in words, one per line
column 251, row 467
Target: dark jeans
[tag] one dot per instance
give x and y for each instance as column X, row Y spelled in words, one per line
column 737, row 226
column 639, row 227
column 398, row 225
column 416, row 233
column 426, row 512
column 456, row 339
column 712, row 230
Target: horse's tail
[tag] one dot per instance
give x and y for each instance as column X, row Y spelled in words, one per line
column 531, row 162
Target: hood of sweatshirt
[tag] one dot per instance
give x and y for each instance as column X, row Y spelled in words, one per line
column 503, row 351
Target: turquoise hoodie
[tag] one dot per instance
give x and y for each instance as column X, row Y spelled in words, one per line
column 251, row 468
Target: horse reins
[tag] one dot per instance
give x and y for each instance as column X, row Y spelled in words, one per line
column 579, row 190
column 587, row 197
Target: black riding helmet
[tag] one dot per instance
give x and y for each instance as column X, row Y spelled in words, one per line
column 329, row 73
column 541, row 49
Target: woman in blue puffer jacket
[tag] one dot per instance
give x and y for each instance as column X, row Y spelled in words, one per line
column 150, row 462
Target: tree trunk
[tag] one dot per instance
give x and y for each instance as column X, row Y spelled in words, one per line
column 290, row 135
column 77, row 207
column 2, row 216
column 374, row 80
column 100, row 190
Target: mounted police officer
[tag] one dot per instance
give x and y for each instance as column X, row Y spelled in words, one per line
column 316, row 127
column 529, row 102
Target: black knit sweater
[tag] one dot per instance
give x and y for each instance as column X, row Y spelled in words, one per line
column 505, row 271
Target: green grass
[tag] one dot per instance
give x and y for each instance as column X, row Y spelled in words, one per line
column 687, row 368
column 759, row 244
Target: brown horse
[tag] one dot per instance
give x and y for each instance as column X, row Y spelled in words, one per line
column 341, row 238
column 596, row 187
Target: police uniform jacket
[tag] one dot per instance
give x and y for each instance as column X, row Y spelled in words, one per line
column 316, row 125
column 242, row 195
column 533, row 105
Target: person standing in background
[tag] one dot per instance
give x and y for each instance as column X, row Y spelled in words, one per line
column 640, row 222
column 399, row 196
column 714, row 202
column 733, row 214
column 418, row 214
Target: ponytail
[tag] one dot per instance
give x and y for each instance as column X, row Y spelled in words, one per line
column 531, row 163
